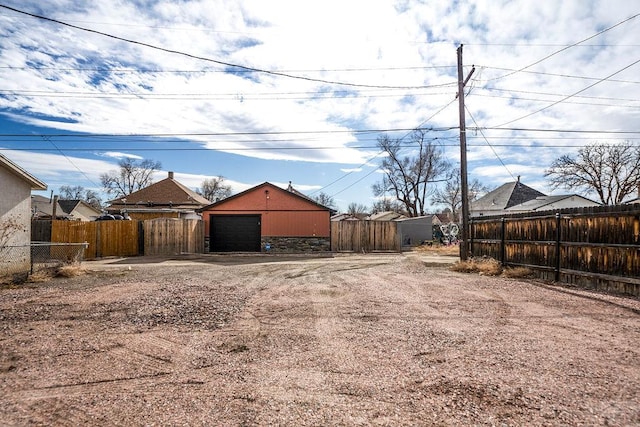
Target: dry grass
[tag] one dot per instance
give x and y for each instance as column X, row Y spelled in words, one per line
column 63, row 271
column 490, row 267
column 438, row 249
column 517, row 272
column 482, row 266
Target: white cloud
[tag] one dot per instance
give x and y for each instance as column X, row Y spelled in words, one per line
column 119, row 155
column 54, row 76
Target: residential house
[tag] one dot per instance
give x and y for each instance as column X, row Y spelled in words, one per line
column 15, row 218
column 546, row 203
column 515, row 197
column 267, row 218
column 497, row 202
column 43, row 208
column 164, row 199
column 385, row 216
column 345, row 217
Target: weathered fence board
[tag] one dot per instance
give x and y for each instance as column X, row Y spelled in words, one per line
column 594, row 247
column 170, row 236
column 365, row 236
column 41, row 231
column 124, row 238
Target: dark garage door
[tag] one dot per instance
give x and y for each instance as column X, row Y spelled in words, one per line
column 234, row 233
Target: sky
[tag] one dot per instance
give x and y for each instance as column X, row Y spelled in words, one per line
column 299, row 91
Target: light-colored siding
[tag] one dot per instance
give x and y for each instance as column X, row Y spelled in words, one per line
column 15, row 206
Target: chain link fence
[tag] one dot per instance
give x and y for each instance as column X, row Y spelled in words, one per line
column 22, row 260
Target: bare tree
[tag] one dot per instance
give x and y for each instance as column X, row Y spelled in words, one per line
column 612, row 171
column 325, row 200
column 451, row 194
column 133, row 175
column 214, row 189
column 408, row 178
column 78, row 192
column 356, row 209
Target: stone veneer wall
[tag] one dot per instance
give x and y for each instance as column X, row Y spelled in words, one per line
column 295, row 244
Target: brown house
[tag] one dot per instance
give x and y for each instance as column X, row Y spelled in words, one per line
column 163, row 199
column 267, row 218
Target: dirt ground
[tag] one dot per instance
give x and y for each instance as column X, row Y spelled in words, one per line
column 380, row 339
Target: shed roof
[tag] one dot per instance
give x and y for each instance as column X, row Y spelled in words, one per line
column 35, row 183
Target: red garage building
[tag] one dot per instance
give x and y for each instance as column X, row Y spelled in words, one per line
column 267, row 218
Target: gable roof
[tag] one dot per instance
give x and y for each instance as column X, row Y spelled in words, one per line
column 167, row 192
column 539, row 203
column 35, row 183
column 506, row 196
column 42, row 207
column 294, row 193
column 68, row 206
column 385, row 216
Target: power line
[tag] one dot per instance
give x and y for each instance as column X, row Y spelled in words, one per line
column 48, row 139
column 570, row 76
column 408, row 133
column 567, row 47
column 192, row 134
column 489, row 144
column 570, row 96
column 148, row 71
column 202, row 58
column 234, row 97
column 538, row 145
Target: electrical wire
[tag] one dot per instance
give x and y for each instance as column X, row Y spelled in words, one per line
column 567, row 47
column 48, row 139
column 570, row 96
column 489, row 144
column 215, row 61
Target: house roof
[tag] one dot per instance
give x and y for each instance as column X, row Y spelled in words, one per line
column 43, row 207
column 540, row 202
column 290, row 190
column 68, row 206
column 506, row 196
column 442, row 218
column 386, row 216
column 167, row 192
column 35, row 183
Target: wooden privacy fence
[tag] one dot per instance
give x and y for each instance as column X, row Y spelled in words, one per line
column 365, row 236
column 167, row 236
column 125, row 238
column 596, row 248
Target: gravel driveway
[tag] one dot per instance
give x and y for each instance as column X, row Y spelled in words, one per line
column 345, row 340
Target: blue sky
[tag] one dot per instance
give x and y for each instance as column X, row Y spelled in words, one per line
column 550, row 77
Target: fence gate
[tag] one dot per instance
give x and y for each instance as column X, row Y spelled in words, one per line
column 365, row 236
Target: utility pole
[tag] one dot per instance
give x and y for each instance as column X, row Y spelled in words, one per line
column 464, row 246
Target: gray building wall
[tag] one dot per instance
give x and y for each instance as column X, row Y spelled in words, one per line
column 414, row 231
column 15, row 224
